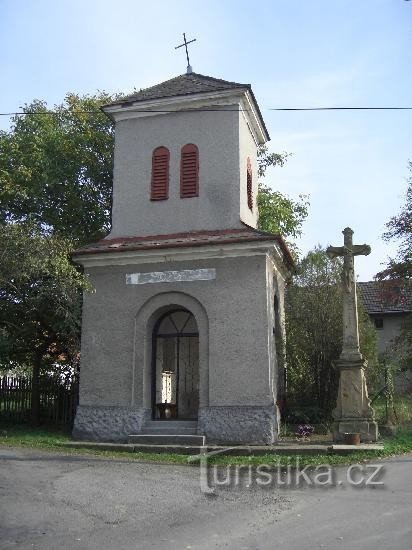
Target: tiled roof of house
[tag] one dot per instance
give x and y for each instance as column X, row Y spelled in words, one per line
column 182, row 240
column 187, row 84
column 386, row 297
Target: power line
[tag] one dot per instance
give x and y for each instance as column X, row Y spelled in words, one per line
column 39, row 113
column 57, row 113
column 342, row 109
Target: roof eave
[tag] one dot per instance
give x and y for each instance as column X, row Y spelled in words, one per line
column 124, row 109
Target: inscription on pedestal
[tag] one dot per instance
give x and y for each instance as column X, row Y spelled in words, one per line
column 184, row 276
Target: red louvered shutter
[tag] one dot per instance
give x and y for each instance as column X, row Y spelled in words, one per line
column 159, row 189
column 189, row 172
column 249, row 184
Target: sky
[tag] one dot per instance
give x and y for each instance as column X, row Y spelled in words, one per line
column 295, row 53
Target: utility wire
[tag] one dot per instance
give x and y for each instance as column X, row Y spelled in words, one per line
column 56, row 113
column 342, row 109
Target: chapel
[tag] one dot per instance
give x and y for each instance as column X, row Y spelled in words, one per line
column 181, row 336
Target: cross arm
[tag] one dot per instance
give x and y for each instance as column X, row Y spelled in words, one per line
column 335, row 251
column 361, row 249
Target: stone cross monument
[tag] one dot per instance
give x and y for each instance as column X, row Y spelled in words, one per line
column 353, row 413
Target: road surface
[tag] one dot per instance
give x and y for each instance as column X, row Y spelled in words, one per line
column 58, row 501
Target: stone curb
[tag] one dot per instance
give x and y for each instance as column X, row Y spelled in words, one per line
column 227, row 450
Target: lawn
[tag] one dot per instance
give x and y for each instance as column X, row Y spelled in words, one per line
column 52, row 440
column 401, row 412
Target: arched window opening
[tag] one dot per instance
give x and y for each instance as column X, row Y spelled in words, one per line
column 159, row 189
column 249, row 184
column 189, row 171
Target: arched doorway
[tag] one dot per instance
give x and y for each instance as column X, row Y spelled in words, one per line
column 175, row 366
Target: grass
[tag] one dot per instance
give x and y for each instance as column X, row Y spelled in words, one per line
column 402, row 408
column 52, row 440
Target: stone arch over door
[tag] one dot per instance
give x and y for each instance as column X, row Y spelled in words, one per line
column 145, row 321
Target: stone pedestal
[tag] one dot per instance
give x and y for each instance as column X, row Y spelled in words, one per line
column 353, row 412
column 239, row 425
column 108, row 423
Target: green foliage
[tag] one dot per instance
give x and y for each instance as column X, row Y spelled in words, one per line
column 399, row 409
column 400, row 227
column 56, row 169
column 40, row 296
column 278, row 213
column 55, row 194
column 266, row 159
column 314, row 332
column 399, row 354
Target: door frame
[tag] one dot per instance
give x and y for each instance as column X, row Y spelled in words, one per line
column 178, row 335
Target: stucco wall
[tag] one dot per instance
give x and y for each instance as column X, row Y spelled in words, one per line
column 392, row 325
column 239, row 326
column 217, row 136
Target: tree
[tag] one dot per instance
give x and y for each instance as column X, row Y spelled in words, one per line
column 278, row 213
column 55, row 194
column 56, row 168
column 40, row 302
column 314, row 332
column 400, row 227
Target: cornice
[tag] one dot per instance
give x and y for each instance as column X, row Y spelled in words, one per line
column 210, row 100
column 170, row 255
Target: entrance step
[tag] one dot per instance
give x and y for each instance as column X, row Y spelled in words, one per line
column 170, row 427
column 168, row 432
column 167, row 439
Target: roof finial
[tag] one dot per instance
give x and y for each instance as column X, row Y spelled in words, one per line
column 185, row 44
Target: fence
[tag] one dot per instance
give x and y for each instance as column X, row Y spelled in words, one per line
column 58, row 400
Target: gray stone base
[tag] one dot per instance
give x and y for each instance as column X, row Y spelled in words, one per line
column 108, row 423
column 368, row 429
column 239, row 425
column 353, row 412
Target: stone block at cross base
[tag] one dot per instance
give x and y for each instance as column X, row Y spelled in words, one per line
column 367, row 429
column 353, row 412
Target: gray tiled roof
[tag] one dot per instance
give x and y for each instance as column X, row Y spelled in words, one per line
column 184, row 84
column 188, row 84
column 386, row 297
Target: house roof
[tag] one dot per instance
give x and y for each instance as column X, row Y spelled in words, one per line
column 184, row 85
column 182, row 240
column 384, row 297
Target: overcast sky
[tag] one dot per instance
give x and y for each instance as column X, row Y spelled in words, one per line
column 295, row 53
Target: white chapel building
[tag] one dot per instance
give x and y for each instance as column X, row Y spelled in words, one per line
column 179, row 335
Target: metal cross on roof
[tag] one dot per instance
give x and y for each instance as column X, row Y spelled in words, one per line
column 185, row 44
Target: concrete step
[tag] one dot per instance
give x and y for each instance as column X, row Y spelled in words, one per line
column 170, row 427
column 167, row 439
column 159, row 430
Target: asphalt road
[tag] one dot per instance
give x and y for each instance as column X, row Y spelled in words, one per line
column 52, row 501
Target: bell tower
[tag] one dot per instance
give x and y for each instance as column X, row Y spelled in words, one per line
column 178, row 337
column 185, row 157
